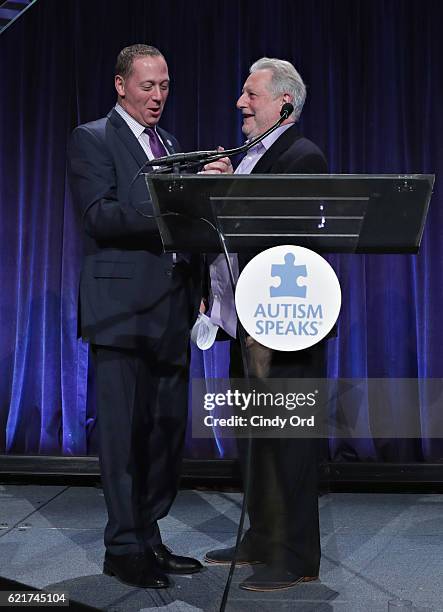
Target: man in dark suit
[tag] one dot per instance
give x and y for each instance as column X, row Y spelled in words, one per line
column 283, row 538
column 137, row 305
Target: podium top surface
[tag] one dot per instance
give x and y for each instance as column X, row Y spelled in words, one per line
column 362, row 213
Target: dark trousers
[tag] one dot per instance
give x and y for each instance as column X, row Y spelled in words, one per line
column 142, row 399
column 283, row 489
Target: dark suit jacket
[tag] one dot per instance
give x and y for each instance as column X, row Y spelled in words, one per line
column 291, row 153
column 126, row 279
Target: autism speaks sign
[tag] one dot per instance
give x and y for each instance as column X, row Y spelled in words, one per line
column 288, row 298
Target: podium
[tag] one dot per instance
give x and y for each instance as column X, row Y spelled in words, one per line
column 326, row 213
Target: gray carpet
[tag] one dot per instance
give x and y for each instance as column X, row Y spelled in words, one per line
column 375, row 548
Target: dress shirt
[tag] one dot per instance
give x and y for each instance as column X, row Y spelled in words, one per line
column 221, row 297
column 139, row 131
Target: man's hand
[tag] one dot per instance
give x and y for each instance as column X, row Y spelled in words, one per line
column 221, row 166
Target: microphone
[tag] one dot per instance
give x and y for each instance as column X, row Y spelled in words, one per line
column 286, row 110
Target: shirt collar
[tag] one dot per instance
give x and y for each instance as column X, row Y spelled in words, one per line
column 269, row 140
column 136, row 128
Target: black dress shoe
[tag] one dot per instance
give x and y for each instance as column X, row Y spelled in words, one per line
column 136, row 570
column 174, row 564
column 224, row 556
column 267, row 578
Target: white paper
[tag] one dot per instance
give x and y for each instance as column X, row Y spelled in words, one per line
column 204, row 332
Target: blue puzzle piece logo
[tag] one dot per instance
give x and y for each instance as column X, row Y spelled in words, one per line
column 289, row 274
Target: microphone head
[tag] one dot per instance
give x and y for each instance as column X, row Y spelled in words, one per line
column 286, row 110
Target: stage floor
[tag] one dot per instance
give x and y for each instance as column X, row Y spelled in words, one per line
column 376, row 547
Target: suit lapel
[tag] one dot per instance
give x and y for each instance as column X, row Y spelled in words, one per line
column 127, row 137
column 282, row 143
column 131, row 142
column 166, row 140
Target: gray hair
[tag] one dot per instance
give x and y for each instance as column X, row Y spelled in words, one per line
column 285, row 79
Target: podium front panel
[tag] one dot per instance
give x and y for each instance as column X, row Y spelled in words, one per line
column 326, row 213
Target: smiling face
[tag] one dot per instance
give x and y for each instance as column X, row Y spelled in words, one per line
column 144, row 92
column 260, row 108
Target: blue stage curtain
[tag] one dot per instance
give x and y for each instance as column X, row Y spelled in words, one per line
column 374, row 72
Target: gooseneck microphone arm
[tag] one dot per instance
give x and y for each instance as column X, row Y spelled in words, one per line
column 195, row 158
